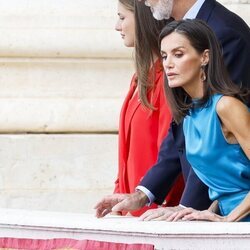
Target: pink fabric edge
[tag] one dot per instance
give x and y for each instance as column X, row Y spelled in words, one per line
column 34, row 244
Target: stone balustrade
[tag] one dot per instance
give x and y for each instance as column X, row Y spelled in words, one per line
column 24, row 224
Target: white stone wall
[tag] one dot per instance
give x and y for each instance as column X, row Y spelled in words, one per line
column 63, row 75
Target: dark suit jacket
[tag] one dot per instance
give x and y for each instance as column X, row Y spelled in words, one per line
column 234, row 36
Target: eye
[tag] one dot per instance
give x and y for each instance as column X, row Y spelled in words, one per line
column 121, row 18
column 164, row 57
column 178, row 54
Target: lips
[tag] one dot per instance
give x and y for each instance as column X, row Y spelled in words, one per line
column 171, row 75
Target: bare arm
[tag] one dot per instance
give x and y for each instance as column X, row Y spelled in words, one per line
column 214, row 207
column 235, row 118
column 237, row 214
column 241, row 211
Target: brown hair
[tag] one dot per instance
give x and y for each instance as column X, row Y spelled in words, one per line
column 201, row 38
column 147, row 30
column 129, row 4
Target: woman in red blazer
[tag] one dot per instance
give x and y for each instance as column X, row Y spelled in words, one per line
column 145, row 116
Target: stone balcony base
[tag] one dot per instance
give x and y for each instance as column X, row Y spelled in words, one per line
column 163, row 235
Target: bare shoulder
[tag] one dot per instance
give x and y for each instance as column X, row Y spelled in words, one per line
column 229, row 106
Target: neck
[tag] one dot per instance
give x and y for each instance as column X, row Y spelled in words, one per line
column 195, row 91
column 181, row 7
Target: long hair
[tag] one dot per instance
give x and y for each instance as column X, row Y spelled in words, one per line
column 129, row 4
column 201, row 37
column 147, row 30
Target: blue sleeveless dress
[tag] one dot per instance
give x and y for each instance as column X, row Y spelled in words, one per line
column 223, row 167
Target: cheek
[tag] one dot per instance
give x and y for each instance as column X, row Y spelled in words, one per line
column 130, row 30
column 190, row 68
column 127, row 27
column 123, row 27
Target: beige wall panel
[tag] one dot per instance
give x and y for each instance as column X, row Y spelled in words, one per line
column 64, row 78
column 56, row 172
column 67, row 28
column 54, row 43
column 59, row 28
column 65, row 115
column 62, row 95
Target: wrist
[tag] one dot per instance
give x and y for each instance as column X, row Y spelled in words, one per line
column 141, row 197
column 227, row 219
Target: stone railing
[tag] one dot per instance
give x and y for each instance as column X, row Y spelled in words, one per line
column 20, row 225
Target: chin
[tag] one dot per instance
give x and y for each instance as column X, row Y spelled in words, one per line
column 128, row 44
column 173, row 85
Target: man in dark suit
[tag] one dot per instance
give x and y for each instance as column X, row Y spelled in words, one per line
column 234, row 36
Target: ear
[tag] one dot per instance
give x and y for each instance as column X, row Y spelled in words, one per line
column 205, row 57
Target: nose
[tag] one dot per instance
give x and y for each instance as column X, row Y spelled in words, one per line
column 167, row 63
column 118, row 25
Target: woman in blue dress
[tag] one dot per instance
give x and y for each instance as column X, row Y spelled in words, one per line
column 216, row 118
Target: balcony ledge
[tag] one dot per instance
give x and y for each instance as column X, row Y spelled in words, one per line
column 163, row 235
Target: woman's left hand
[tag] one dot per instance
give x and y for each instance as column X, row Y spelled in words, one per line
column 193, row 214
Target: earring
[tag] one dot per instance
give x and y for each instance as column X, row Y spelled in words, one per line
column 203, row 73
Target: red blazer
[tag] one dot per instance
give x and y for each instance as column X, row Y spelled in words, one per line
column 141, row 132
